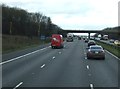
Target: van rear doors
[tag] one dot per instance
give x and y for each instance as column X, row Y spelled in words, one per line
column 57, row 41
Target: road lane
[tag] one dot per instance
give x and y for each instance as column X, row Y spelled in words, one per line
column 18, row 53
column 22, row 56
column 104, row 72
column 15, row 71
column 65, row 71
column 67, row 67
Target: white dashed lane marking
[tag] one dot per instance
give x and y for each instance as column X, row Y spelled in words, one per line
column 85, row 57
column 88, row 67
column 59, row 52
column 43, row 66
column 53, row 57
column 91, row 86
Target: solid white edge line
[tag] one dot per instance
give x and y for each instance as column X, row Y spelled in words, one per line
column 112, row 54
column 23, row 55
column 42, row 65
column 18, row 85
column 91, row 86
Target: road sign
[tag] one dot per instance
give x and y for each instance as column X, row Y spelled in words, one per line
column 42, row 37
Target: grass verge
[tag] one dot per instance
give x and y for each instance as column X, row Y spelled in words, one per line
column 14, row 43
column 113, row 49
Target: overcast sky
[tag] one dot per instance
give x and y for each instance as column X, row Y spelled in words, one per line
column 73, row 14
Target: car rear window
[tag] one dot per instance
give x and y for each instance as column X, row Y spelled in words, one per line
column 96, row 47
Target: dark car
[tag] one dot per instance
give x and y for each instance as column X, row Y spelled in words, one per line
column 79, row 38
column 69, row 39
column 91, row 42
column 111, row 41
column 83, row 38
column 86, row 40
column 95, row 51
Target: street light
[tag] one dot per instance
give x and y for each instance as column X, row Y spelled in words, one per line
column 39, row 26
column 10, row 28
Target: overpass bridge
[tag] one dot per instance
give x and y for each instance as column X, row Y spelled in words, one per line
column 102, row 32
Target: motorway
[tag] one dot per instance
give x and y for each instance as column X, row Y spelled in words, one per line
column 67, row 67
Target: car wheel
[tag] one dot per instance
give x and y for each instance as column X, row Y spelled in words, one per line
column 88, row 57
column 61, row 46
column 103, row 58
column 52, row 47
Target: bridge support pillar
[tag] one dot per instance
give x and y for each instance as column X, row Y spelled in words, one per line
column 89, row 35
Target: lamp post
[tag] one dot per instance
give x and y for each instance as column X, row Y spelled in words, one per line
column 10, row 28
column 39, row 26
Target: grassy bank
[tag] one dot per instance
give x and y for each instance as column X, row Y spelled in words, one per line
column 114, row 50
column 13, row 43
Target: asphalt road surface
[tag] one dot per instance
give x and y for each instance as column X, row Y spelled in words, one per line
column 67, row 67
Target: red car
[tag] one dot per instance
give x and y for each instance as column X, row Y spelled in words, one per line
column 57, row 41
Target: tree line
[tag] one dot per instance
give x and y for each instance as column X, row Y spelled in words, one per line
column 112, row 35
column 16, row 21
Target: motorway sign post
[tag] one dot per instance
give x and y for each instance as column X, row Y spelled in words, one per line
column 42, row 38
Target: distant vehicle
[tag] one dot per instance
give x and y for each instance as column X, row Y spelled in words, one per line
column 83, row 38
column 97, row 38
column 105, row 37
column 111, row 41
column 91, row 42
column 57, row 41
column 79, row 38
column 117, row 42
column 92, row 38
column 69, row 37
column 95, row 51
column 86, row 40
